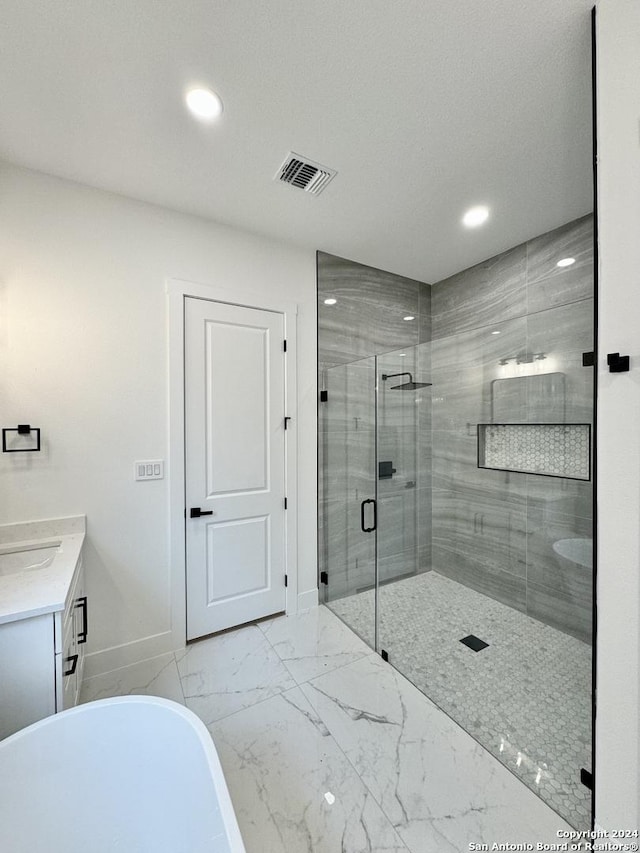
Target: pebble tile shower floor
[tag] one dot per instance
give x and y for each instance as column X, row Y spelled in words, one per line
column 526, row 697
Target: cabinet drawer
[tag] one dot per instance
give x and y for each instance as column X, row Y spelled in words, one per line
column 81, row 628
column 63, row 620
column 67, row 671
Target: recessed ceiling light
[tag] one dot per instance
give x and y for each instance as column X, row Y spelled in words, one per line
column 204, row 104
column 495, row 333
column 402, row 355
column 330, row 301
column 566, row 262
column 475, row 216
column 409, row 317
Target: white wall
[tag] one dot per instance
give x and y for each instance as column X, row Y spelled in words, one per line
column 83, row 355
column 618, row 652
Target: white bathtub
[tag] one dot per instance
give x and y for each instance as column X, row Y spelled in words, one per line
column 135, row 774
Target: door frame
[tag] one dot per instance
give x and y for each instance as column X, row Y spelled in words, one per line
column 177, row 291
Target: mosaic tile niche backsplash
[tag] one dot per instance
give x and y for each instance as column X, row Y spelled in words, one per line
column 553, row 450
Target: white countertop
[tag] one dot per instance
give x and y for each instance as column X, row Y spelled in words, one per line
column 32, row 593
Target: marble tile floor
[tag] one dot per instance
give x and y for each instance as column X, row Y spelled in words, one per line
column 526, row 697
column 327, row 749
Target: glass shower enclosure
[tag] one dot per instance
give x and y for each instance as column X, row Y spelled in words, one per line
column 456, row 534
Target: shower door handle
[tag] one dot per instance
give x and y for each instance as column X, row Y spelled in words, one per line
column 375, row 515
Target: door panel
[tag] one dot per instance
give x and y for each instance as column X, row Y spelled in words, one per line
column 244, row 543
column 236, row 398
column 235, row 464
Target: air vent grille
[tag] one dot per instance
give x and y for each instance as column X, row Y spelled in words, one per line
column 304, row 173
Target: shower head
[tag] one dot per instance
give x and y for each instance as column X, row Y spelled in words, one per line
column 405, row 386
column 410, row 386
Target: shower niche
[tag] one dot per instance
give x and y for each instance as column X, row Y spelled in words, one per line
column 549, row 450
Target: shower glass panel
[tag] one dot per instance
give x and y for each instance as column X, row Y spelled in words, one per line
column 349, row 461
column 397, row 424
column 404, row 434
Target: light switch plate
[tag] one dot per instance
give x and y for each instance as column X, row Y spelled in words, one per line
column 149, row 469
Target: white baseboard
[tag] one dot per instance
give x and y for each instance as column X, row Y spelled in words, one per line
column 106, row 660
column 308, row 599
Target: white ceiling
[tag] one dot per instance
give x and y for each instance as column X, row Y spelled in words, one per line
column 425, row 107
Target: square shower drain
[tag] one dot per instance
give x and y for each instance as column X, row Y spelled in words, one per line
column 474, row 643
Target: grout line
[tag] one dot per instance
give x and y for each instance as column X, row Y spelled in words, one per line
column 246, row 708
column 175, row 662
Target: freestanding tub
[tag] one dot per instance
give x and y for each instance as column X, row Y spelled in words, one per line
column 135, row 774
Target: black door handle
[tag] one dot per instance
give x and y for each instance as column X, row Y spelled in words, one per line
column 74, row 663
column 196, row 512
column 82, row 636
column 375, row 515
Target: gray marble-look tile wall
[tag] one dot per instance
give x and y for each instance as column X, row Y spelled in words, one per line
column 368, row 316
column 367, row 320
column 508, row 337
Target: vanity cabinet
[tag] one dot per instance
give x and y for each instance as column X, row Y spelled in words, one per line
column 42, row 660
column 70, row 632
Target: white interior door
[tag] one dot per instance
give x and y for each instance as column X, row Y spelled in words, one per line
column 234, row 465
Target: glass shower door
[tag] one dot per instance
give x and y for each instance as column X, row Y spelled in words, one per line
column 404, row 489
column 397, row 476
column 348, row 537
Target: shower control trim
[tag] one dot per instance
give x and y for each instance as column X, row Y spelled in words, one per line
column 385, row 470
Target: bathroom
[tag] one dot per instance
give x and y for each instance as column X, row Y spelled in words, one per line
column 104, row 235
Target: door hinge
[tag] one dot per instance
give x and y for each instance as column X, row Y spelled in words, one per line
column 286, row 580
column 286, row 421
column 286, row 502
column 384, row 655
column 586, row 778
column 324, row 578
column 284, row 345
column 324, row 396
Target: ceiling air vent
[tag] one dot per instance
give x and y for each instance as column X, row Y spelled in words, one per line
column 304, row 173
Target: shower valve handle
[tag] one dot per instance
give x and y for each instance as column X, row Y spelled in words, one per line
column 375, row 515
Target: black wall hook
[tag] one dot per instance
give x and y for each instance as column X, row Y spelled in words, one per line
column 618, row 363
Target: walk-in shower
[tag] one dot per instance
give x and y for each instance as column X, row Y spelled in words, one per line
column 455, row 517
